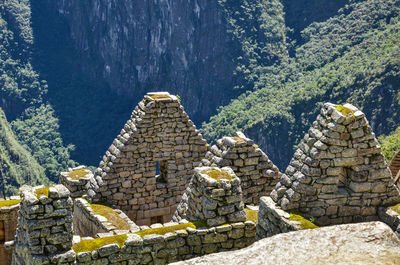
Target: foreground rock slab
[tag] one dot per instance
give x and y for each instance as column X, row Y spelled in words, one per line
column 363, row 243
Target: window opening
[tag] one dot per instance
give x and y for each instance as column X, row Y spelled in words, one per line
column 161, row 171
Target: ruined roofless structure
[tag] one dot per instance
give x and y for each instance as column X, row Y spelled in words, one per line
column 147, row 168
column 338, row 174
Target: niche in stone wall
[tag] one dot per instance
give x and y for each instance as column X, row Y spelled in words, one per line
column 161, row 171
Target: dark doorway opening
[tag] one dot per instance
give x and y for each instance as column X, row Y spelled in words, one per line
column 161, row 171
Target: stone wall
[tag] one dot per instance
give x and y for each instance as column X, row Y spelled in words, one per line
column 88, row 223
column 160, row 135
column 338, row 174
column 8, row 225
column 214, row 195
column 391, row 218
column 180, row 245
column 44, row 233
column 77, row 180
column 256, row 172
column 272, row 220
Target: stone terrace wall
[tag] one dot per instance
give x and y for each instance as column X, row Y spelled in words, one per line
column 159, row 131
column 338, row 174
column 8, row 226
column 257, row 173
column 44, row 233
column 180, row 245
column 214, row 201
column 77, row 180
column 87, row 223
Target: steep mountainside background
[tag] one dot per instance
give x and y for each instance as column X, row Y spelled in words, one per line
column 72, row 71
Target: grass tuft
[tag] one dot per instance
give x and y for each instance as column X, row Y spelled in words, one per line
column 77, row 174
column 171, row 229
column 92, row 244
column 395, row 208
column 9, row 203
column 304, row 223
column 217, row 174
column 155, row 97
column 251, row 215
column 42, row 191
column 112, row 216
column 239, row 139
column 345, row 111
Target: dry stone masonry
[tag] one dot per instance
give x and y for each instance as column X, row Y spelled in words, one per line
column 257, row 173
column 77, row 180
column 44, row 233
column 147, row 168
column 214, row 195
column 338, row 174
column 8, row 225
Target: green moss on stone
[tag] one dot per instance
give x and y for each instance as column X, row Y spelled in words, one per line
column 42, row 191
column 92, row 244
column 155, row 97
column 77, row 174
column 304, row 223
column 9, row 203
column 395, row 208
column 345, row 111
column 239, row 139
column 251, row 215
column 112, row 216
column 171, row 229
column 217, row 174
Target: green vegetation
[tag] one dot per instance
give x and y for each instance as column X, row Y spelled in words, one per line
column 165, row 229
column 92, row 244
column 155, row 97
column 304, row 223
column 23, row 94
column 9, row 203
column 217, row 174
column 390, row 144
column 171, row 229
column 17, row 166
column 238, row 139
column 42, row 191
column 396, row 208
column 111, row 215
column 251, row 215
column 345, row 111
column 351, row 57
column 77, row 174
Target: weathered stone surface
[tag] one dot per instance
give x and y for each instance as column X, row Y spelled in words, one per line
column 365, row 243
column 257, row 173
column 347, row 171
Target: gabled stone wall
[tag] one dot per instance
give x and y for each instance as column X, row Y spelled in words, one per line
column 338, row 174
column 258, row 175
column 159, row 132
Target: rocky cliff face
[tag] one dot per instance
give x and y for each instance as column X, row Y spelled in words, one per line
column 177, row 46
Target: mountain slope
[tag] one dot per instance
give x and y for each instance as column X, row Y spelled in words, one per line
column 23, row 92
column 338, row 63
column 17, row 166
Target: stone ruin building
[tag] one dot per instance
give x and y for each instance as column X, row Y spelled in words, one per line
column 257, row 173
column 395, row 168
column 338, row 175
column 146, row 169
column 161, row 195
